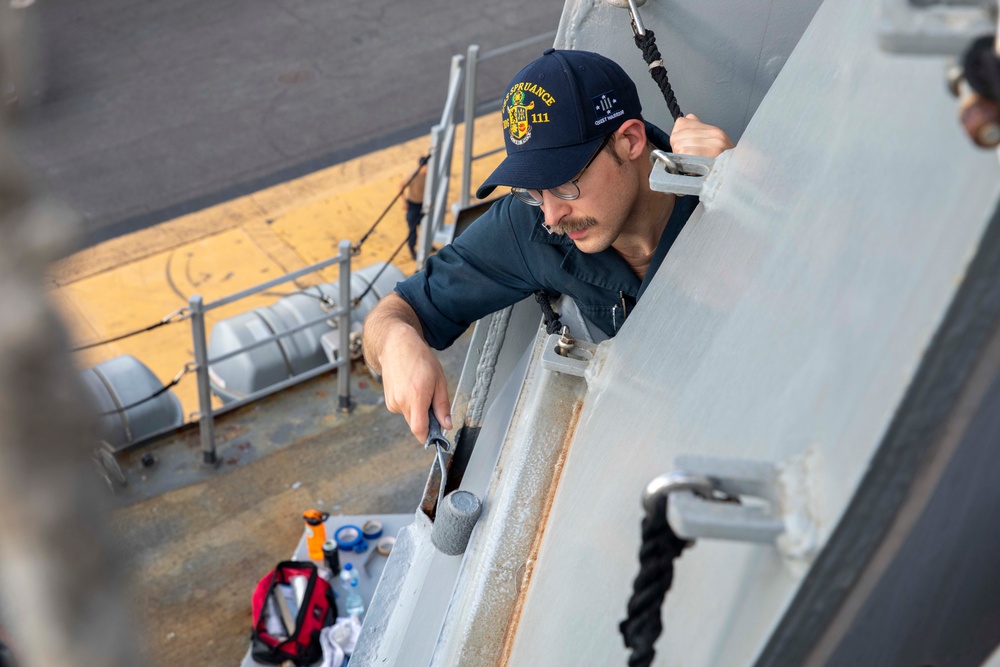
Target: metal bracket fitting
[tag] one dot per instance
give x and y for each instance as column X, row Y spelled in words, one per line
column 679, row 174
column 771, row 507
column 756, row 518
column 564, row 354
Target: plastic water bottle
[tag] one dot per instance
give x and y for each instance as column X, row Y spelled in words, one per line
column 347, row 575
column 355, row 606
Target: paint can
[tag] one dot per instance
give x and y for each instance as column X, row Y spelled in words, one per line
column 331, row 554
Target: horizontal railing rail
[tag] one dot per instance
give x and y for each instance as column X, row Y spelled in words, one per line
column 263, row 287
column 206, row 413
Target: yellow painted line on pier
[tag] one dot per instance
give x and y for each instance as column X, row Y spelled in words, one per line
column 132, row 281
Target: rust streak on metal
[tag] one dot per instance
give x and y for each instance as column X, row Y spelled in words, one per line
column 529, row 564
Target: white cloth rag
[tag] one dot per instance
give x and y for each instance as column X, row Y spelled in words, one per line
column 339, row 640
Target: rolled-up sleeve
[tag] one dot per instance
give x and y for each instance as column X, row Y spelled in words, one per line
column 481, row 272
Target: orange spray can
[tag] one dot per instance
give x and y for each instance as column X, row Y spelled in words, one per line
column 315, row 533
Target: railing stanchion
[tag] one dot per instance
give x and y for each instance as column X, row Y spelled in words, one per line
column 344, row 326
column 471, row 68
column 206, row 424
column 425, row 236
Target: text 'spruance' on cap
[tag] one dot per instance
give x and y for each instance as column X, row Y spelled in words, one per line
column 555, row 113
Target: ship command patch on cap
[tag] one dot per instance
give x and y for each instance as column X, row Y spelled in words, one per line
column 555, row 113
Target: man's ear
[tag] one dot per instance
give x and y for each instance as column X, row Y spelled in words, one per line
column 634, row 131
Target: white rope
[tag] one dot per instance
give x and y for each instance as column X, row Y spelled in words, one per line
column 487, row 365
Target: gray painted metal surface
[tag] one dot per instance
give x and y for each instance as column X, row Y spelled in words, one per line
column 444, row 610
column 800, row 321
column 435, row 609
column 483, row 610
column 721, row 57
column 787, row 325
column 911, row 552
column 438, row 610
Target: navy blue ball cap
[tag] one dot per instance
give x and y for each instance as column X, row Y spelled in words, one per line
column 555, row 113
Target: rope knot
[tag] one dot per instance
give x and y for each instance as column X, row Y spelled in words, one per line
column 549, row 316
column 651, row 54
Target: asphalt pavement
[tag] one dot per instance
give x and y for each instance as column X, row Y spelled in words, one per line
column 139, row 112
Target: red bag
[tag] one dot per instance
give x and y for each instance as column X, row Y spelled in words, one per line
column 274, row 606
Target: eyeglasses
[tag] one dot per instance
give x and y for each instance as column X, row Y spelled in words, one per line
column 568, row 191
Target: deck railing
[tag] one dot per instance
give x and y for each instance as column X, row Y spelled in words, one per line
column 206, row 413
column 463, row 82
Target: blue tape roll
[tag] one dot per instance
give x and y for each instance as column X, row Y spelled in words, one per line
column 350, row 538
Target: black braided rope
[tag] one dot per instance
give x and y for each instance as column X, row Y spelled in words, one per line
column 155, row 394
column 371, row 284
column 123, row 336
column 651, row 54
column 660, row 547
column 549, row 316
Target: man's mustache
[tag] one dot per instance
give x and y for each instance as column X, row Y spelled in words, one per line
column 568, row 226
